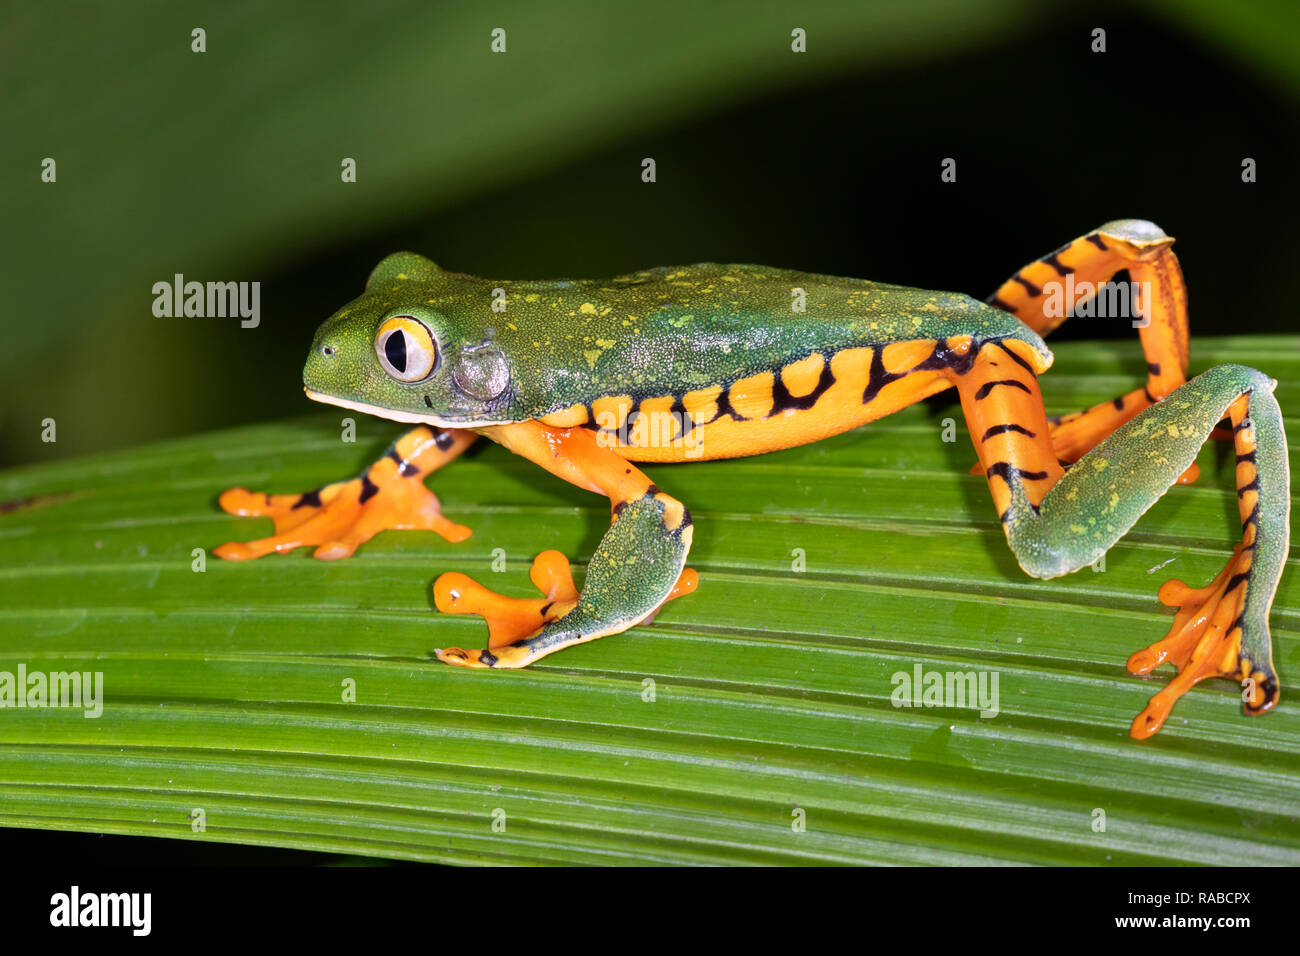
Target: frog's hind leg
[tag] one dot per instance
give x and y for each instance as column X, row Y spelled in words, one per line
column 1057, row 522
column 639, row 564
column 338, row 518
column 1075, row 279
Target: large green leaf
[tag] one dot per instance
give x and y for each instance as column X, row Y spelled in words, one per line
column 223, row 689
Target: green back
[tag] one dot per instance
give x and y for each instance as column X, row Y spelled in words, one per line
column 662, row 331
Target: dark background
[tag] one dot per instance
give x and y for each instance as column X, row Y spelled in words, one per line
column 224, row 166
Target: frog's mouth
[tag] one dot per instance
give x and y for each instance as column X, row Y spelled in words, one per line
column 393, row 414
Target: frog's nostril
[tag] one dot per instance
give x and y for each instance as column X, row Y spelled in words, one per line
column 327, row 350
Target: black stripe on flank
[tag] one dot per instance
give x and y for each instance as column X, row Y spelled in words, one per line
column 944, row 357
column 629, row 423
column 1119, row 404
column 594, row 426
column 782, row 399
column 443, row 438
column 368, row 489
column 1248, row 456
column 488, row 658
column 1252, row 518
column 1003, row 429
column 998, row 303
column 681, row 417
column 1096, row 241
column 878, row 378
column 723, row 401
column 1253, row 486
column 989, row 386
column 1153, row 368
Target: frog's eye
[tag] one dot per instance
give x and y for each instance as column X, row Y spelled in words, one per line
column 406, row 348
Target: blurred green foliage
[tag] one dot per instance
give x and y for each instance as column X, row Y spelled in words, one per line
column 225, row 165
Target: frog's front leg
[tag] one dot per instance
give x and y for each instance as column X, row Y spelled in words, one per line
column 510, row 619
column 338, row 518
column 637, row 566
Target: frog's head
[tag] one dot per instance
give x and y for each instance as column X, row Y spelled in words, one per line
column 400, row 351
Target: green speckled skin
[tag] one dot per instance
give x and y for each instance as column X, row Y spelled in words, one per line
column 656, row 332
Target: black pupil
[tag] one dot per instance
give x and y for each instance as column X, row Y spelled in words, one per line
column 395, row 349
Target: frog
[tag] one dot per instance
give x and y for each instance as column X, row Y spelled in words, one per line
column 589, row 378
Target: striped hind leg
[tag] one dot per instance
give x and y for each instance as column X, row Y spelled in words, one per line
column 1057, row 521
column 1073, row 280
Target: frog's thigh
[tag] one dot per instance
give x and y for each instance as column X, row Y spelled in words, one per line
column 636, row 566
column 1036, row 295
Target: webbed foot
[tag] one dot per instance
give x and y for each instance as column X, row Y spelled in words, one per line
column 340, row 517
column 1204, row 641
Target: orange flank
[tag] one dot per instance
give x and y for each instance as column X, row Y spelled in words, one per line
column 807, row 400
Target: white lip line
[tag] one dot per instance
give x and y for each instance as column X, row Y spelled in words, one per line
column 392, row 414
